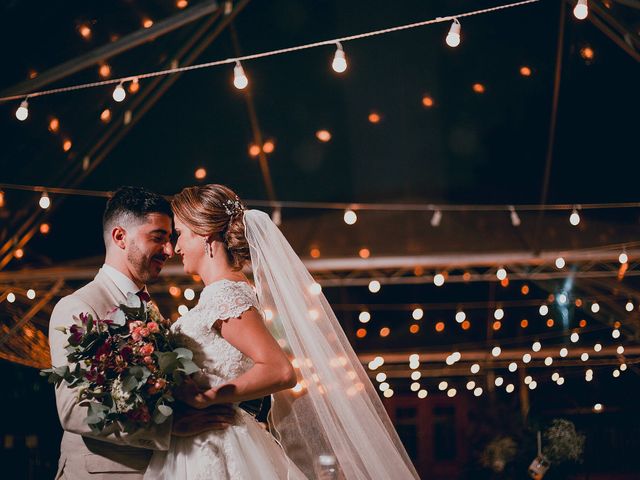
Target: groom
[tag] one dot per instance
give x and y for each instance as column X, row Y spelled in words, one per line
column 137, row 226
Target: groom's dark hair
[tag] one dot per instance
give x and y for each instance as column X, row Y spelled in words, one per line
column 130, row 205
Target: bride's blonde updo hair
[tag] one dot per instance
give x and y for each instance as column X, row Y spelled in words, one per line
column 215, row 210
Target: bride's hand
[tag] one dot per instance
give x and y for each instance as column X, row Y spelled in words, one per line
column 191, row 394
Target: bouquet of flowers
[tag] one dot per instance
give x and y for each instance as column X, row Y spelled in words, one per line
column 123, row 366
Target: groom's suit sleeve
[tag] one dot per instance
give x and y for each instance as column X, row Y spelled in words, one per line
column 71, row 414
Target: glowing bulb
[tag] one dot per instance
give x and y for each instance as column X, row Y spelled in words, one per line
column 555, row 376
column 240, row 80
column 119, row 93
column 548, row 361
column 183, row 310
column 460, row 316
column 383, row 386
column 415, row 376
column 453, row 37
column 513, row 366
column 501, row 274
column 526, row 358
column 560, row 381
column 564, row 352
column 575, row 337
column 536, row 346
column 422, row 394
column 478, row 391
column 364, row 317
column 533, row 384
column 471, row 385
column 417, row 314
column 623, row 367
column 620, row 350
column 510, row 388
column 515, row 219
column 496, row 351
column 315, row 288
column 574, row 219
column 581, row 10
column 189, row 294
column 350, row 217
column 339, row 63
column 323, row 135
column 615, row 333
column 595, row 308
column 623, row 258
column 11, row 297
column 616, row 373
column 45, row 201
column 584, row 357
column 438, row 280
column 415, row 386
column 498, row 314
column 23, row 111
column 597, row 347
column 629, row 306
column 388, row 393
column 597, row 407
column 528, row 379
column 436, row 218
column 451, row 392
column 374, row 286
column 31, row 294
column 442, row 386
column 560, row 263
column 475, row 368
column 543, row 310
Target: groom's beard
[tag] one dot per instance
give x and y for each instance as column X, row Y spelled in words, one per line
column 147, row 268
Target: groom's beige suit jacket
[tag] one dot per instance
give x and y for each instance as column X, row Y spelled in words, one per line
column 83, row 454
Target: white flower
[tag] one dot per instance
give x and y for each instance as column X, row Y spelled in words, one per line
column 120, row 397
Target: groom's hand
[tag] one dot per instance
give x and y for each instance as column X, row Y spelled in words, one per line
column 190, row 421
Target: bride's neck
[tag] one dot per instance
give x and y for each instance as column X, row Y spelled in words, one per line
column 215, row 270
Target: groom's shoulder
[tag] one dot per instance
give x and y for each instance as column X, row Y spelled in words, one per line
column 85, row 299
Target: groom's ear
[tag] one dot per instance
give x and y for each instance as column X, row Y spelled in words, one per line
column 118, row 235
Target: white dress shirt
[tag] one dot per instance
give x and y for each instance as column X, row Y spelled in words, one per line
column 124, row 283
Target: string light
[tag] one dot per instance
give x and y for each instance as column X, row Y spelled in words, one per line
column 499, row 381
column 374, row 286
column 417, row 314
column 442, row 386
column 438, row 280
column 19, row 253
column 11, row 297
column 475, row 368
column 119, row 93
column 147, row 23
column 422, row 393
column 45, row 201
column 200, row 173
column 584, row 357
column 536, row 346
column 436, row 218
column 105, row 70
column 240, row 80
column 575, row 337
column 350, row 217
column 515, row 218
column 323, row 135
column 560, row 263
column 54, row 125
column 478, row 391
column 460, row 316
column 498, row 314
column 615, row 333
column 451, row 392
column 574, row 218
column 543, row 310
column 623, row 258
column 510, row 388
column 564, row 352
column 513, row 366
column 23, row 110
column 315, row 288
column 105, row 116
column 595, row 308
column 526, row 358
column 597, row 347
column 31, row 294
column 1, row 198
column 548, row 361
column 183, row 310
column 581, row 10
column 269, row 146
column 453, row 37
column 620, row 350
column 415, row 376
column 189, row 294
column 501, row 273
column 496, row 351
column 364, row 317
column 339, row 63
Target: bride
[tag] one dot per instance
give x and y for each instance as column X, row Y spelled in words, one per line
column 281, row 338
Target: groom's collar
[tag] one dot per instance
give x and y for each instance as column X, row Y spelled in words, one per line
column 124, row 283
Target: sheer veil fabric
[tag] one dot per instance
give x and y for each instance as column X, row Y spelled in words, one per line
column 334, row 415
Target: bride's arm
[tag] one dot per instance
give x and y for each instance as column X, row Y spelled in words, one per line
column 272, row 371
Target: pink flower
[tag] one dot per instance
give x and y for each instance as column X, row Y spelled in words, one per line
column 146, row 349
column 144, row 332
column 136, row 336
column 134, row 325
column 153, row 327
column 148, row 359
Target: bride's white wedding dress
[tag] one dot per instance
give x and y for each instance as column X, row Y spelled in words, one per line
column 244, row 450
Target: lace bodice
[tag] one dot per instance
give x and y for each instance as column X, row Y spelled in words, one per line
column 218, row 359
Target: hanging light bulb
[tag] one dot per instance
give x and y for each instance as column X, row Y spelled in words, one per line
column 501, row 273
column 240, row 80
column 339, row 63
column 45, row 201
column 119, row 93
column 623, row 258
column 437, row 217
column 515, row 218
column 453, row 37
column 350, row 217
column 23, row 110
column 574, row 219
column 581, row 10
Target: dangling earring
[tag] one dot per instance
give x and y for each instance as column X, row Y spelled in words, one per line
column 208, row 248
